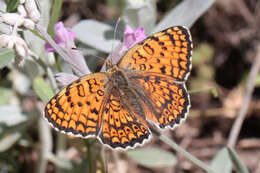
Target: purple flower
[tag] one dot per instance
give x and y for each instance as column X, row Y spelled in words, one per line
column 64, row 37
column 65, row 78
column 131, row 38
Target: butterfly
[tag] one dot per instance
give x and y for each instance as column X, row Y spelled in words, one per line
column 147, row 86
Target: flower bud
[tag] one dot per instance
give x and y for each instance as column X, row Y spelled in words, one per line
column 21, row 10
column 21, row 1
column 3, row 6
column 29, row 24
column 20, row 50
column 10, row 44
column 11, row 18
column 32, row 10
column 19, row 45
column 6, row 41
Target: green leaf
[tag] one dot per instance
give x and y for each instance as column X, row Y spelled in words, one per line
column 241, row 168
column 8, row 141
column 11, row 115
column 214, row 92
column 140, row 13
column 202, row 54
column 6, row 56
column 12, row 5
column 221, row 162
column 5, row 95
column 55, row 15
column 95, row 34
column 42, row 89
column 61, row 162
column 257, row 81
column 152, row 157
column 185, row 13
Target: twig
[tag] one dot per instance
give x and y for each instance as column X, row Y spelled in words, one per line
column 116, row 158
column 186, row 154
column 62, row 52
column 248, row 94
column 61, row 147
column 182, row 151
column 46, row 148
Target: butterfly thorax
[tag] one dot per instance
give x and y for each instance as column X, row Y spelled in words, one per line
column 126, row 91
column 119, row 78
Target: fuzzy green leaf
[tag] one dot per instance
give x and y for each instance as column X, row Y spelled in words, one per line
column 185, row 13
column 6, row 56
column 5, row 95
column 95, row 34
column 11, row 5
column 8, row 141
column 221, row 162
column 42, row 89
column 152, row 157
column 237, row 161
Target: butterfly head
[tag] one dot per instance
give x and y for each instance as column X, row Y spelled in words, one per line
column 109, row 65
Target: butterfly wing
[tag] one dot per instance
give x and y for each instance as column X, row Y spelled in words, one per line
column 121, row 128
column 157, row 69
column 167, row 52
column 77, row 108
column 90, row 107
column 168, row 101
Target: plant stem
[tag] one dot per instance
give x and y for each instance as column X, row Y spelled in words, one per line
column 89, row 156
column 250, row 85
column 185, row 153
column 200, row 90
column 62, row 52
column 55, row 15
column 46, row 141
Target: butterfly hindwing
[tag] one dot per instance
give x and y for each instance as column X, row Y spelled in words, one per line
column 167, row 100
column 121, row 129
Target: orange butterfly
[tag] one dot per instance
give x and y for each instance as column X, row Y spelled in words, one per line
column 146, row 86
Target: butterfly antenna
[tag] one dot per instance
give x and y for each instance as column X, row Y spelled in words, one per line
column 98, row 57
column 115, row 31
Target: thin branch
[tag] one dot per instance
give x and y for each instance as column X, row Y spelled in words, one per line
column 182, row 151
column 46, row 148
column 62, row 52
column 248, row 95
column 187, row 155
column 61, row 147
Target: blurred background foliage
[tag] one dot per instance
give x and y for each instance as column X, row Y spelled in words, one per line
column 226, row 40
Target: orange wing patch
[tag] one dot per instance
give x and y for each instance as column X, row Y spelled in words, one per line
column 167, row 52
column 76, row 109
column 120, row 128
column 168, row 101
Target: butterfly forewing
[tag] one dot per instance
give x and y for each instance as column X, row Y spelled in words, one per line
column 158, row 68
column 167, row 52
column 77, row 108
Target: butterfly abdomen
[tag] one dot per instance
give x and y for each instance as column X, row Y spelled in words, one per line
column 127, row 94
